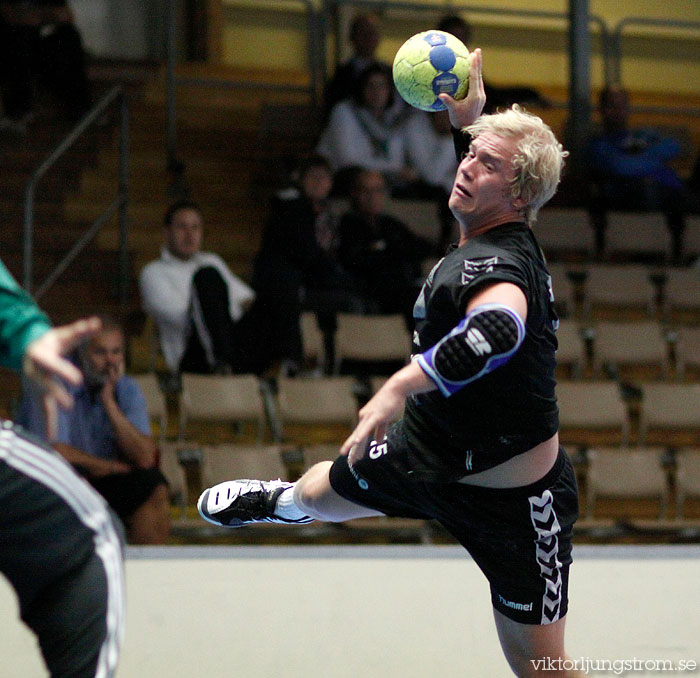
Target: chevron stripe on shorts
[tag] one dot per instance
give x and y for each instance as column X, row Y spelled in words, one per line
column 544, row 520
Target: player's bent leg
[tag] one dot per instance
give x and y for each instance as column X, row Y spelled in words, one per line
column 313, row 493
column 533, row 650
column 240, row 502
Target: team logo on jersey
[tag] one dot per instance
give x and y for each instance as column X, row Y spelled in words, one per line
column 476, row 267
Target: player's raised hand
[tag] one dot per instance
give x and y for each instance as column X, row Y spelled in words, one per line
column 465, row 111
column 45, row 364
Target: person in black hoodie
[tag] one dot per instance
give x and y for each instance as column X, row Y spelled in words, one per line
column 297, row 268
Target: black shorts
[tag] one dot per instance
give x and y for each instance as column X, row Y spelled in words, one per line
column 126, row 492
column 520, row 538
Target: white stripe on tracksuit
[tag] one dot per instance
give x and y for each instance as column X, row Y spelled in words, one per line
column 54, row 473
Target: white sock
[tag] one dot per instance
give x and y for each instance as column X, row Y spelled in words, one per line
column 286, row 508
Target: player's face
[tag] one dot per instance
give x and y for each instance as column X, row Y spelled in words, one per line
column 184, row 234
column 481, row 193
column 104, row 357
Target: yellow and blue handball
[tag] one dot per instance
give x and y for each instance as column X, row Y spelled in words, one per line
column 429, row 64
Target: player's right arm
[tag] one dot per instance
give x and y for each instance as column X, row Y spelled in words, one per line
column 27, row 341
column 503, row 309
column 464, row 112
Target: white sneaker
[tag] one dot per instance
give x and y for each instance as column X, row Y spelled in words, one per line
column 239, row 502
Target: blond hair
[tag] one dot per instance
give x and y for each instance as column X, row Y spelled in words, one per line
column 538, row 160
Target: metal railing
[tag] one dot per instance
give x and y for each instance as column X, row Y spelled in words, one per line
column 616, row 48
column 117, row 206
column 314, row 49
column 320, row 21
column 383, row 5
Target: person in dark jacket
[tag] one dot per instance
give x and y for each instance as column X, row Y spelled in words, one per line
column 297, row 266
column 381, row 253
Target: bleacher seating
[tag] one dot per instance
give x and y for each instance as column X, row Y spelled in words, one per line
column 155, row 401
column 687, row 351
column 564, row 233
column 670, row 414
column 681, row 291
column 563, row 289
column 632, row 235
column 371, row 339
column 571, row 352
column 592, row 412
column 229, row 461
column 311, row 339
column 687, row 479
column 223, row 183
column 642, row 344
column 325, row 406
column 619, row 288
column 221, row 399
column 626, row 473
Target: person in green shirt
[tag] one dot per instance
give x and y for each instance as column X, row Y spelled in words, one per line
column 59, row 546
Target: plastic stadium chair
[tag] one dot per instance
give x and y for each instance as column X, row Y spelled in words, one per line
column 221, row 398
column 627, row 473
column 592, row 413
column 155, row 400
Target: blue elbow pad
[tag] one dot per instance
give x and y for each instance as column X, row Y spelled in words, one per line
column 486, row 339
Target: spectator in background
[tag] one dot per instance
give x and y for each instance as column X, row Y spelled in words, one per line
column 431, row 154
column 38, row 40
column 380, row 252
column 297, row 266
column 364, row 131
column 365, row 34
column 694, row 188
column 629, row 170
column 202, row 311
column 106, row 437
column 496, row 97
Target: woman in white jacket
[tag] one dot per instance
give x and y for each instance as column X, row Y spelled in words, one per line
column 364, row 130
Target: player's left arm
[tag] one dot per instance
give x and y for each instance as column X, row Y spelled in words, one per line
column 500, row 311
column 486, row 339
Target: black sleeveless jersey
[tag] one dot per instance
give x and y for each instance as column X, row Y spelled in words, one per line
column 509, row 410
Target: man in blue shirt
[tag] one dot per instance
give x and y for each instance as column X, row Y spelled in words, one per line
column 630, row 170
column 106, row 436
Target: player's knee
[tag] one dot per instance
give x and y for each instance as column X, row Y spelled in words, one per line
column 311, row 490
